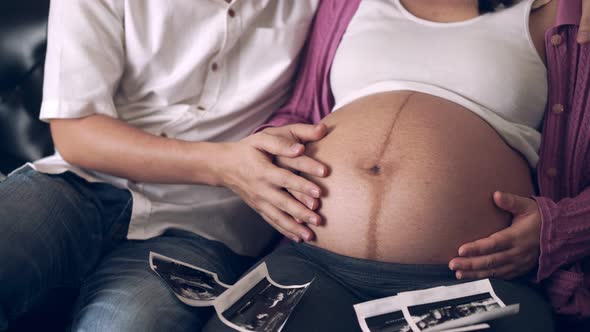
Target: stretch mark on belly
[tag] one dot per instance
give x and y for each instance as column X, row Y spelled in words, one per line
column 378, row 172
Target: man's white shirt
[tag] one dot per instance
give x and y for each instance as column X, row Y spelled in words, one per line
column 195, row 70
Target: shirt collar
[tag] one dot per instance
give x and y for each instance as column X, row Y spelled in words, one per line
column 569, row 12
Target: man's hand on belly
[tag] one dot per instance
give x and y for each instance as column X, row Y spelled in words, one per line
column 248, row 169
column 302, row 164
column 508, row 253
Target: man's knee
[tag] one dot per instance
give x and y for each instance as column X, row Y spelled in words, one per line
column 134, row 303
column 41, row 242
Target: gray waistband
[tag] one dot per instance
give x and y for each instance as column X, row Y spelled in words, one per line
column 376, row 278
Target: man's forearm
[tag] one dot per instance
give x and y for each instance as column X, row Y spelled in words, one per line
column 108, row 145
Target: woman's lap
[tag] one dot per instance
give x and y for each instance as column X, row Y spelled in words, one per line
column 339, row 282
column 326, row 299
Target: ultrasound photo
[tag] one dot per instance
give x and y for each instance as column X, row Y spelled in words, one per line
column 257, row 303
column 389, row 322
column 265, row 307
column 433, row 314
column 457, row 308
column 192, row 285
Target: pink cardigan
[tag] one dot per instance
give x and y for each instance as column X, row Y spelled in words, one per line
column 564, row 167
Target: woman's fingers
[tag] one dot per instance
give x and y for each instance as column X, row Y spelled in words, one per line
column 486, row 262
column 499, row 241
column 515, row 204
column 503, row 272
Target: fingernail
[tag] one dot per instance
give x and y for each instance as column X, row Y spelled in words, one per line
column 296, row 148
column 459, row 275
column 321, row 171
column 295, row 239
column 315, row 192
column 314, row 220
column 306, row 236
column 310, row 204
column 583, row 36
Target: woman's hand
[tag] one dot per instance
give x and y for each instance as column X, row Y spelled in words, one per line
column 584, row 31
column 508, row 253
column 247, row 167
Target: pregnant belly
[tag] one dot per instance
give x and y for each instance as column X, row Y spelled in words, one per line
column 411, row 178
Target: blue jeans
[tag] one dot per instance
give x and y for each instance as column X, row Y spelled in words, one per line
column 59, row 230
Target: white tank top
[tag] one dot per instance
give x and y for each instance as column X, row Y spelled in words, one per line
column 487, row 64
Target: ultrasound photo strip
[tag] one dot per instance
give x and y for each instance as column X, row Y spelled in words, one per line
column 385, row 315
column 257, row 303
column 382, row 315
column 462, row 307
column 448, row 307
column 192, row 285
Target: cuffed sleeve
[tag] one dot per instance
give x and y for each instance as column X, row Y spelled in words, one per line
column 565, row 232
column 85, row 58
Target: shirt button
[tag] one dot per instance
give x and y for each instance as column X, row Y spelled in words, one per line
column 556, row 40
column 557, row 109
column 552, row 172
column 164, row 135
column 214, row 66
column 231, row 13
column 201, row 108
column 228, row 1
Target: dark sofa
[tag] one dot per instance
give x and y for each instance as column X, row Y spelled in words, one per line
column 22, row 53
column 23, row 26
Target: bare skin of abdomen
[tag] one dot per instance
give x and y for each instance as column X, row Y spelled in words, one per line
column 411, row 179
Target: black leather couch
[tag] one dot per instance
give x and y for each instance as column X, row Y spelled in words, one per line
column 23, row 27
column 22, row 53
